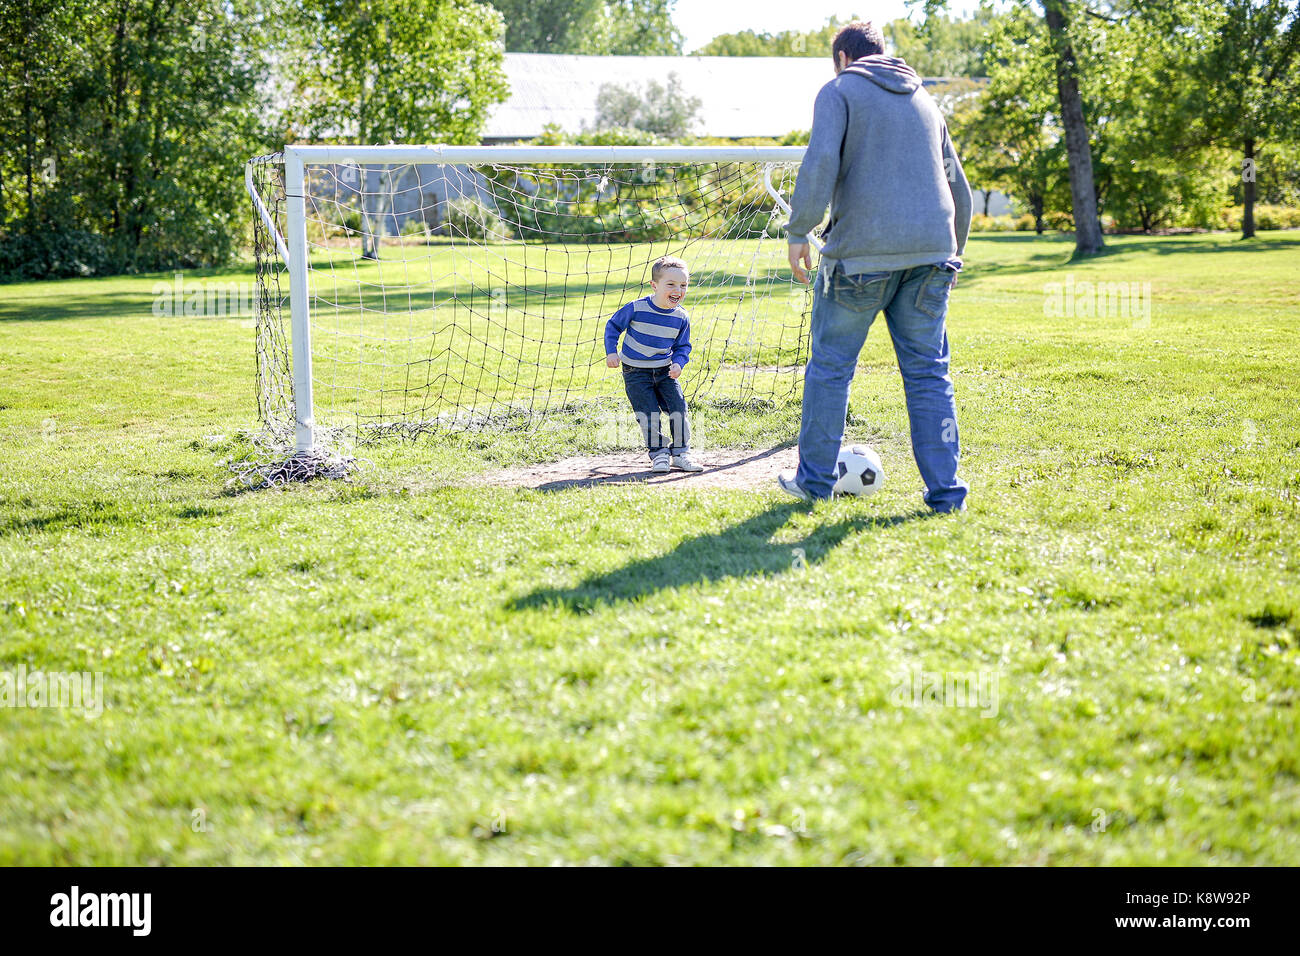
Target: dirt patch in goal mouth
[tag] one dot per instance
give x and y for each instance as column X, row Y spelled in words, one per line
column 723, row 468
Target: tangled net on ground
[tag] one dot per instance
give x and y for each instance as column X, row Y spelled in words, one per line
column 271, row 462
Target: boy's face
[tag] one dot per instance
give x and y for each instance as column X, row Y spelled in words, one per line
column 670, row 287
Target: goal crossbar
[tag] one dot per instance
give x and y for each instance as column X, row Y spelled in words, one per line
column 544, row 154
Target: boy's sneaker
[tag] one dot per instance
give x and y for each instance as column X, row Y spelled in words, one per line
column 660, row 464
column 684, row 462
column 791, row 487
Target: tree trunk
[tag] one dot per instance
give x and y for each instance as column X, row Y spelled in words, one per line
column 1087, row 228
column 376, row 208
column 135, row 198
column 369, row 217
column 1036, row 204
column 987, row 195
column 115, row 116
column 29, row 156
column 1248, row 191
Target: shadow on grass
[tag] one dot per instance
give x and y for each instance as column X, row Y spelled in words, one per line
column 90, row 305
column 742, row 550
column 22, row 303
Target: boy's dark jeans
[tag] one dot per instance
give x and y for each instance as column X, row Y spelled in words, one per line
column 657, row 399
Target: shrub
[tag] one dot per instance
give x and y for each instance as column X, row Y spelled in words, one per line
column 982, row 223
column 1267, row 216
column 1025, row 223
column 350, row 222
column 1230, row 218
column 1276, row 217
column 472, row 220
column 1060, row 221
column 53, row 254
column 413, row 227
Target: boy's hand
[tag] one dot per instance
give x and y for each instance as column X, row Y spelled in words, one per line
column 799, row 251
column 612, row 360
column 674, row 370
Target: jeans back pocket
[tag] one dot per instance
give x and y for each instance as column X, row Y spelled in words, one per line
column 864, row 292
column 932, row 297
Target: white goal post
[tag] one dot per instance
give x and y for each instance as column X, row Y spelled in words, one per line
column 474, row 230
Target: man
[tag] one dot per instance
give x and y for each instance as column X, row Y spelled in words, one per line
column 880, row 155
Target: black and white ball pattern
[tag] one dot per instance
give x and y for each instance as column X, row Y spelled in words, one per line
column 858, row 471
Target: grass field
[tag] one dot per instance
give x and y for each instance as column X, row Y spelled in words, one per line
column 410, row 669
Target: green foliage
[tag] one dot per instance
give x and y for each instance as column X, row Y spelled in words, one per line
column 660, row 109
column 132, row 121
column 1242, row 82
column 415, row 226
column 1277, row 174
column 470, row 219
column 402, row 71
column 1008, row 137
column 1152, row 169
column 1268, row 216
column 1144, row 181
column 592, row 27
column 1238, row 81
column 982, row 223
column 129, row 124
column 393, row 71
column 53, row 252
column 786, row 43
column 943, row 45
column 647, row 202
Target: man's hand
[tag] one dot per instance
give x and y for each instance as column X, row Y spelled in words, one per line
column 674, row 370
column 799, row 252
column 612, row 360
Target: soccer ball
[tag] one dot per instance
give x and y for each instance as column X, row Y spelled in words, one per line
column 858, row 471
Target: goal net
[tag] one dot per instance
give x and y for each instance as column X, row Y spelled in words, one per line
column 414, row 290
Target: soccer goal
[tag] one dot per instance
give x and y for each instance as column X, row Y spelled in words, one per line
column 409, row 290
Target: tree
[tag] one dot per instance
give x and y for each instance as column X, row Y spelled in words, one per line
column 383, row 71
column 1011, row 140
column 129, row 122
column 943, row 46
column 1145, row 178
column 1061, row 18
column 1078, row 150
column 814, row 43
column 593, row 27
column 664, row 110
column 1245, row 82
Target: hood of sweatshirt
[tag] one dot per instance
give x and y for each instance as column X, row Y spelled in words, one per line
column 887, row 72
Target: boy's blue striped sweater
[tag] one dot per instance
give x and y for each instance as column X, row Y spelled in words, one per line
column 655, row 337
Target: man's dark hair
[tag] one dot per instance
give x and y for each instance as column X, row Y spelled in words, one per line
column 858, row 39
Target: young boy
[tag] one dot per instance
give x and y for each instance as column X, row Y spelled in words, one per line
column 656, row 347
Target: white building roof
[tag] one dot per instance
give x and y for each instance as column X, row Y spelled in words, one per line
column 740, row 95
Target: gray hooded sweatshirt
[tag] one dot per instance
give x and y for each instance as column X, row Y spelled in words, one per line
column 880, row 155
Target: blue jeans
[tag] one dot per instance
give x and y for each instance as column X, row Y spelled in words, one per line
column 915, row 302
column 657, row 400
